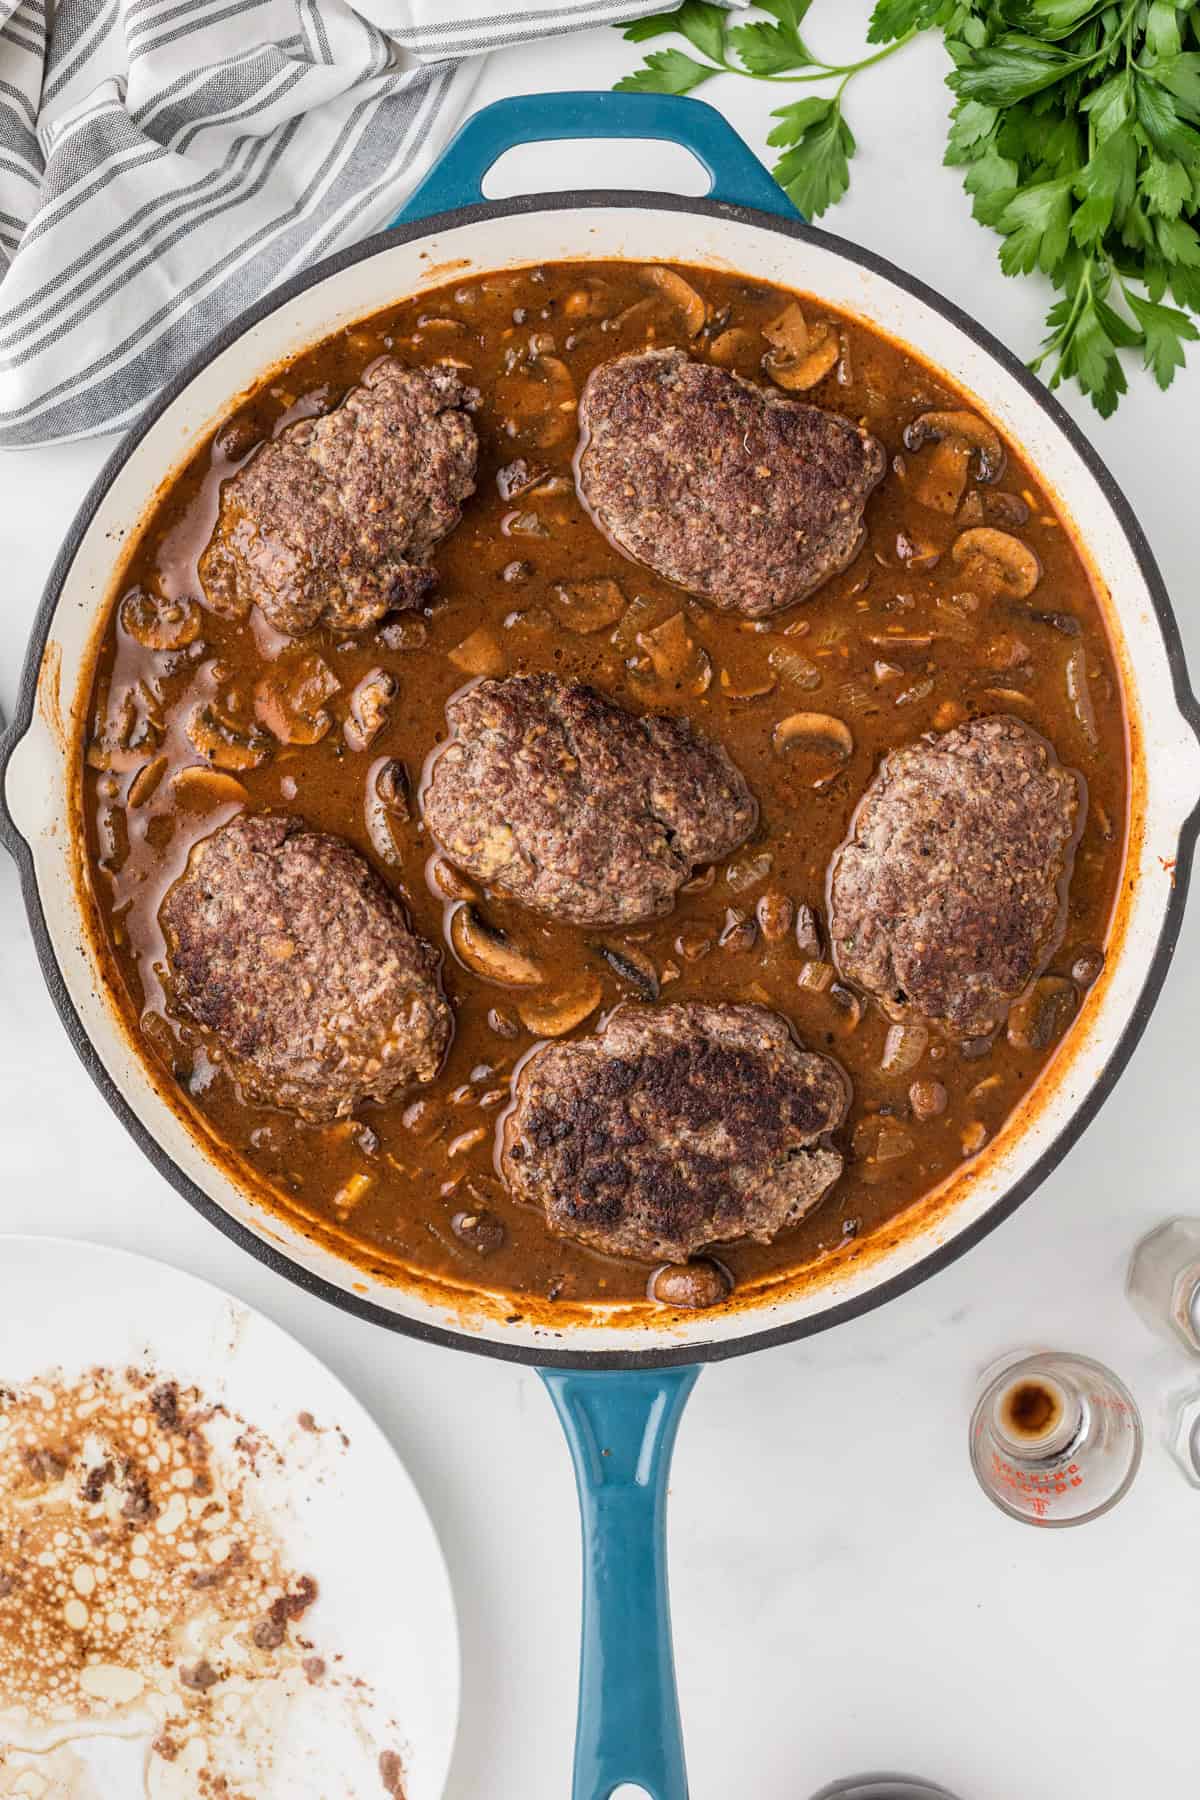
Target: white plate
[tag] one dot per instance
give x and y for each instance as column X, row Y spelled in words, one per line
column 346, row 1510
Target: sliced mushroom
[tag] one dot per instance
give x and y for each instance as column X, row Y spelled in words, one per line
column 912, row 696
column 370, row 704
column 795, row 669
column 1080, row 694
column 587, row 300
column 747, row 871
column 517, row 478
column 642, row 612
column 680, row 293
column 289, row 700
column 738, row 934
column 129, row 734
column 732, row 346
column 903, row 1048
column 916, row 553
column 805, row 373
column 489, row 952
column 450, row 882
column 939, row 480
column 1087, row 966
column 997, row 563
column 389, row 781
column 537, row 399
column 776, row 913
column 822, row 743
column 553, row 1016
column 146, row 781
column 849, row 1004
column 159, row 624
column 224, row 744
column 976, row 436
column 928, row 1100
column 589, row 605
column 1005, row 509
column 692, row 1286
column 808, row 930
column 632, row 966
column 480, row 653
column 701, row 881
column 479, row 1229
column 788, row 334
column 199, row 787
column 746, row 686
column 674, row 655
column 1039, row 1018
column 523, row 524
column 404, row 633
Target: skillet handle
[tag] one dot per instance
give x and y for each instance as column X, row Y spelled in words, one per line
column 621, row 1429
column 10, row 737
column 456, row 179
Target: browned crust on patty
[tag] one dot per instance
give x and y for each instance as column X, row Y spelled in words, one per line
column 948, row 897
column 286, row 946
column 733, row 491
column 335, row 520
column 674, row 1128
column 551, row 794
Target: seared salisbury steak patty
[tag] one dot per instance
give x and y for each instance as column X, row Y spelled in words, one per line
column 729, row 489
column 551, row 794
column 334, row 521
column 285, row 944
column 673, row 1128
column 948, row 896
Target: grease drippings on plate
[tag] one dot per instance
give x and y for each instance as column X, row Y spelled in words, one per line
column 146, row 1596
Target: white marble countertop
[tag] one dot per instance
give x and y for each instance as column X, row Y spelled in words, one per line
column 844, row 1596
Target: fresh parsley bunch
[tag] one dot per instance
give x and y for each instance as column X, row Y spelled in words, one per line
column 1076, row 126
column 816, row 140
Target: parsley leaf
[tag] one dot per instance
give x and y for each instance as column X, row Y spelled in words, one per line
column 1051, row 18
column 815, row 172
column 769, row 49
column 893, row 19
column 1011, row 69
column 1037, row 225
column 703, row 25
column 667, row 72
column 1166, row 185
column 657, row 26
column 1105, row 187
column 972, row 125
column 1164, row 333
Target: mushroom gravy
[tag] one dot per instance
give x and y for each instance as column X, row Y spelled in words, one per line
column 968, row 597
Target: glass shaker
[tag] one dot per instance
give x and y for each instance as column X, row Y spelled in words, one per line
column 1056, row 1439
column 1164, row 1282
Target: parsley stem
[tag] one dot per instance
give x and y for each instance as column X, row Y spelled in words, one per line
column 823, row 71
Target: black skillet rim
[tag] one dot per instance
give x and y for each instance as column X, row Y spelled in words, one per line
column 550, row 1354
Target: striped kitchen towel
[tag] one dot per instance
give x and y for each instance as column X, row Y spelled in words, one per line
column 163, row 163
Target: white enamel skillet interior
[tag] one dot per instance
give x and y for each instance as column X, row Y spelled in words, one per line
column 642, row 227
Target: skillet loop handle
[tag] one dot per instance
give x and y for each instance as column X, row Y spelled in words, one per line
column 10, row 837
column 456, row 179
column 621, row 1430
